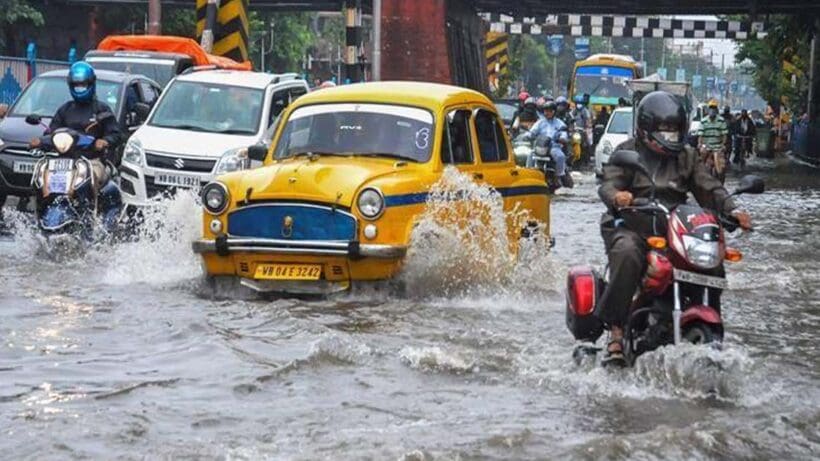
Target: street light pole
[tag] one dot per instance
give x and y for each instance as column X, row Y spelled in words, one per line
column 377, row 40
column 154, row 17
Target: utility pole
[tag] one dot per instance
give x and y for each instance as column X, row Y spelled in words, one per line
column 154, row 17
column 643, row 59
column 554, row 76
column 377, row 40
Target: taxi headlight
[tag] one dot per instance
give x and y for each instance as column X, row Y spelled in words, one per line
column 370, row 203
column 62, row 142
column 215, row 197
column 133, row 152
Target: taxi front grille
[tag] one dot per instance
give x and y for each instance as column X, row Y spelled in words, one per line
column 292, row 221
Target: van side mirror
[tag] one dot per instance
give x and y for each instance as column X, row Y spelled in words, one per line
column 258, row 152
column 598, row 130
column 750, row 184
column 4, row 109
column 142, row 110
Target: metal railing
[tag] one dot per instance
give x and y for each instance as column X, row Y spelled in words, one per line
column 17, row 72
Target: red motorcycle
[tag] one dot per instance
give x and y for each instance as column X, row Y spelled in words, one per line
column 679, row 299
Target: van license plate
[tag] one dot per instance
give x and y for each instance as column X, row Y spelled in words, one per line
column 176, row 180
column 288, row 272
column 23, row 167
column 700, row 279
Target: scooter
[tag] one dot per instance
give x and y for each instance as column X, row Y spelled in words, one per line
column 679, row 299
column 69, row 214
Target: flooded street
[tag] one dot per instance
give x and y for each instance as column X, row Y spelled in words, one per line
column 126, row 353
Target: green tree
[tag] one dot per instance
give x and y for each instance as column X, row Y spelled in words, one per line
column 13, row 13
column 292, row 35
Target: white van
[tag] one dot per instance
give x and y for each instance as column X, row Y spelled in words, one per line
column 200, row 128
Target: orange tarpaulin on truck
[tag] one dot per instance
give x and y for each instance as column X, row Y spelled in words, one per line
column 170, row 44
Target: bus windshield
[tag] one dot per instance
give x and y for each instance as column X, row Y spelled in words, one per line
column 603, row 84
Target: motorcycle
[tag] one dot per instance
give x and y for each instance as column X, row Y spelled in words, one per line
column 743, row 149
column 577, row 146
column 679, row 298
column 540, row 149
column 68, row 210
column 715, row 161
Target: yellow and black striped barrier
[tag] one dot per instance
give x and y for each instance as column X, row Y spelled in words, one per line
column 225, row 24
column 496, row 52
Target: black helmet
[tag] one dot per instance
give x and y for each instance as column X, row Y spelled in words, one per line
column 658, row 110
column 727, row 110
column 550, row 105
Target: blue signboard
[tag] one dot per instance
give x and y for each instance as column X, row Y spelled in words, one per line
column 556, row 43
column 722, row 85
column 581, row 48
column 662, row 72
column 696, row 81
column 680, row 75
column 734, row 87
column 710, row 83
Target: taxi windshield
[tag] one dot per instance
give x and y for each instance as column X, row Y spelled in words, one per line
column 349, row 129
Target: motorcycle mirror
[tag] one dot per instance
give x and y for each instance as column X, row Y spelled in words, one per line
column 33, row 119
column 629, row 159
column 750, row 184
column 258, row 152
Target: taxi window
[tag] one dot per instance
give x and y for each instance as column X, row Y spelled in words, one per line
column 455, row 145
column 491, row 144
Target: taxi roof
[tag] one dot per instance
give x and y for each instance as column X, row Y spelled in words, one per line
column 431, row 96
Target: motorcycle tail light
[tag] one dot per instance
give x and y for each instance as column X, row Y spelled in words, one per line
column 733, row 255
column 582, row 293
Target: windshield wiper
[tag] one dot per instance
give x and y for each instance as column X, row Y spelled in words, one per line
column 183, row 127
column 386, row 154
column 236, row 131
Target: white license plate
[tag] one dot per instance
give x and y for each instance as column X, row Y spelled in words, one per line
column 23, row 167
column 60, row 164
column 58, row 183
column 176, row 180
column 700, row 279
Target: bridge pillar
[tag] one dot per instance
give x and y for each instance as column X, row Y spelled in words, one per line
column 813, row 143
column 433, row 40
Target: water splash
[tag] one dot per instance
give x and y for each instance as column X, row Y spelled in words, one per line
column 436, row 359
column 460, row 245
column 161, row 251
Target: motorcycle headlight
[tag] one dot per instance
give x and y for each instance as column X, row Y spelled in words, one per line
column 133, row 152
column 62, row 142
column 371, row 203
column 82, row 173
column 576, row 137
column 703, row 254
column 233, row 160
column 215, row 197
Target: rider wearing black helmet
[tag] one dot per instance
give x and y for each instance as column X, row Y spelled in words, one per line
column 662, row 124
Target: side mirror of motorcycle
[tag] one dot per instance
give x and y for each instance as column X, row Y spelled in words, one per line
column 33, row 119
column 750, row 184
column 258, row 152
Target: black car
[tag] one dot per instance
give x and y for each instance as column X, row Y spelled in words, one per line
column 42, row 97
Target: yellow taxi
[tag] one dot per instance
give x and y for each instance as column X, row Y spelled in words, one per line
column 346, row 178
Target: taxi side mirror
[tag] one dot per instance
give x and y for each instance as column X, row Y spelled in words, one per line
column 258, row 152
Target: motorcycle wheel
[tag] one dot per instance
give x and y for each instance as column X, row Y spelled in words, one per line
column 701, row 333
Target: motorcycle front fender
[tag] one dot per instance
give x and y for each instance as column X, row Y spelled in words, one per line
column 57, row 215
column 700, row 313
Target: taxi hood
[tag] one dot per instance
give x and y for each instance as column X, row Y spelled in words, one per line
column 330, row 179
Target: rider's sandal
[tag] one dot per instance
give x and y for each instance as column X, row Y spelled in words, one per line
column 614, row 356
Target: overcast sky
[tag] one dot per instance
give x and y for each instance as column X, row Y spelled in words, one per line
column 719, row 47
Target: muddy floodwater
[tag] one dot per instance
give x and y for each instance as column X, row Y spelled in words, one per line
column 126, row 353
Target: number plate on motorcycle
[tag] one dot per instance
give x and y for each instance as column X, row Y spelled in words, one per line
column 700, row 279
column 288, row 272
column 58, row 183
column 23, row 167
column 60, row 164
column 176, row 180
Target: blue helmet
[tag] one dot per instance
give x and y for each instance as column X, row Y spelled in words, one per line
column 561, row 100
column 82, row 82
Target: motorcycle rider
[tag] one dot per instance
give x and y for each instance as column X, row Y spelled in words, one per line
column 526, row 117
column 86, row 114
column 745, row 127
column 562, row 111
column 662, row 124
column 550, row 126
column 712, row 136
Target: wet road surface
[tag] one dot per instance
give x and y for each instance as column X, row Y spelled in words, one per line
column 126, row 353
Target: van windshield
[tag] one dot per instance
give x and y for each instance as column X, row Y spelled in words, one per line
column 208, row 107
column 46, row 94
column 158, row 70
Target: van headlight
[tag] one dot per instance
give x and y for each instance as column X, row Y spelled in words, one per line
column 233, row 160
column 62, row 142
column 370, row 203
column 133, row 152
